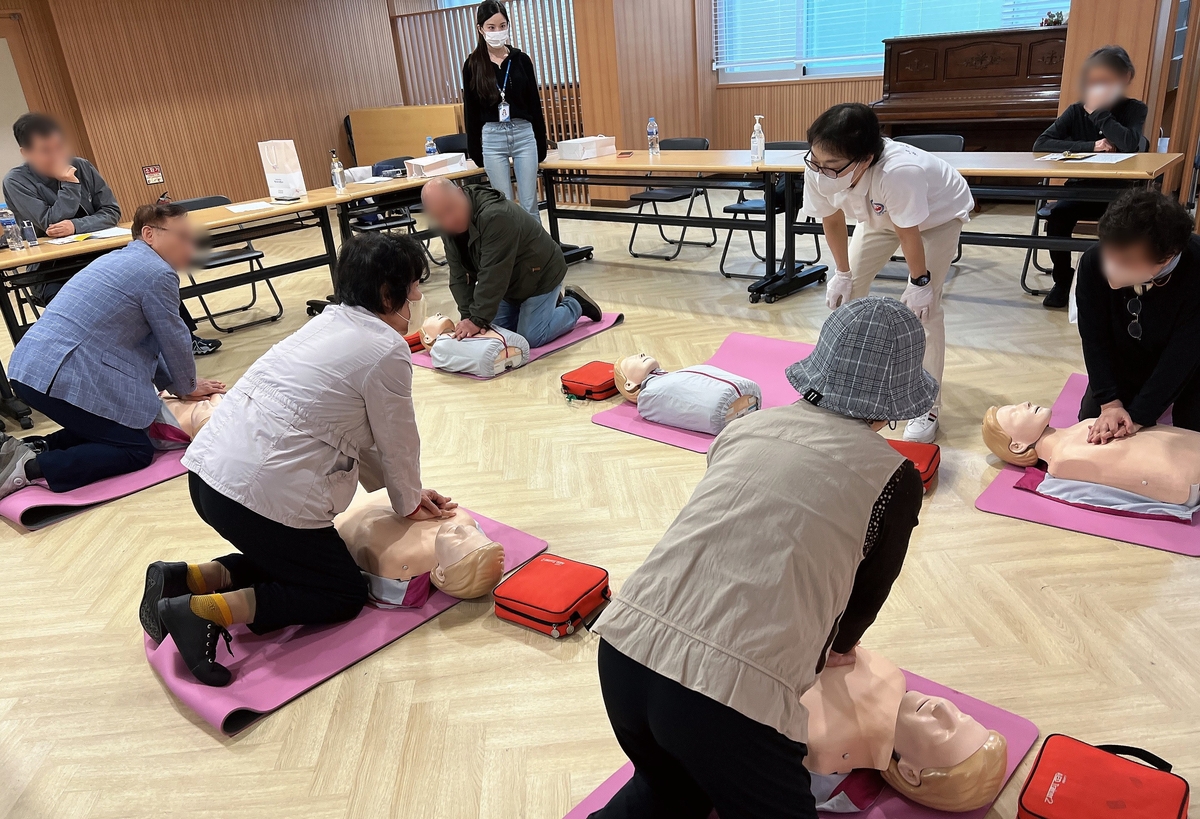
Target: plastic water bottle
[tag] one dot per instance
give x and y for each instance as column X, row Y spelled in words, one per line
column 336, row 172
column 430, row 146
column 652, row 136
column 758, row 140
column 12, row 233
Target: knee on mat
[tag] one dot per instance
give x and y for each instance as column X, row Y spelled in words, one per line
column 140, row 457
column 348, row 600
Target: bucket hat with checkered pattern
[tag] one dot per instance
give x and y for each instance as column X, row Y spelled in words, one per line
column 867, row 363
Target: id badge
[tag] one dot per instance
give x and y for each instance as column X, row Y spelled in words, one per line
column 504, row 115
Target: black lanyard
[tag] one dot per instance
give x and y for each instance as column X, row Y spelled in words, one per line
column 504, row 88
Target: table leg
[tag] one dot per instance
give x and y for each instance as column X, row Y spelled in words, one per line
column 769, row 266
column 551, row 202
column 322, row 215
column 343, row 212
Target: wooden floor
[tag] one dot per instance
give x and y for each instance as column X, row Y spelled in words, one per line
column 472, row 717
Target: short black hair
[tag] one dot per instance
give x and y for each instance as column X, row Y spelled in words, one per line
column 31, row 125
column 1113, row 57
column 155, row 215
column 1147, row 217
column 850, row 129
column 375, row 270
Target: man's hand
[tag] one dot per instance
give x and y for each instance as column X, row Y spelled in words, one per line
column 433, row 506
column 204, row 388
column 67, row 174
column 60, row 229
column 834, row 660
column 1114, row 422
column 1103, row 146
column 467, row 329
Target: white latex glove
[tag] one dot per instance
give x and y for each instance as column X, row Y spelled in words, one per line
column 918, row 299
column 837, row 291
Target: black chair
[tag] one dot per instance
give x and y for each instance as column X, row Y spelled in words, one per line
column 224, row 257
column 757, row 207
column 350, row 139
column 940, row 143
column 387, row 219
column 451, row 144
column 654, row 196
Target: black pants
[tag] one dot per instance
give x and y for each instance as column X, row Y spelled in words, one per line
column 691, row 754
column 1185, row 412
column 1065, row 214
column 88, row 447
column 300, row 576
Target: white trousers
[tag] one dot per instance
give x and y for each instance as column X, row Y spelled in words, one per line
column 872, row 248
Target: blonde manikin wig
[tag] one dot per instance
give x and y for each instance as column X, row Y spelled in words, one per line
column 999, row 442
column 973, row 783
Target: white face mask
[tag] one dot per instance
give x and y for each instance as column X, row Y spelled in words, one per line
column 416, row 314
column 496, row 38
column 828, row 187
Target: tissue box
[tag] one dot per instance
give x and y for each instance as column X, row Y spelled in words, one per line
column 587, row 147
column 435, row 165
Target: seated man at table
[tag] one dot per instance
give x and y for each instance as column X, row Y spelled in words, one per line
column 505, row 269
column 95, row 360
column 64, row 195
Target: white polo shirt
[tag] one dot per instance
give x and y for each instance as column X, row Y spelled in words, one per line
column 907, row 187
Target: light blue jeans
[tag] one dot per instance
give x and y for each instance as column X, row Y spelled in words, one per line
column 540, row 319
column 513, row 140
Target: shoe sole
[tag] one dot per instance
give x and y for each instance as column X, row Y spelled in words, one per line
column 924, row 439
column 148, row 611
column 585, row 301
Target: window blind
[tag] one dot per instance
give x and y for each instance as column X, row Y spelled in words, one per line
column 845, row 36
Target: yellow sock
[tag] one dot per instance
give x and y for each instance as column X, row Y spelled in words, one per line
column 212, row 607
column 195, row 579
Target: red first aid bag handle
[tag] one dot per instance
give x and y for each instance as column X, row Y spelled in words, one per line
column 1138, row 753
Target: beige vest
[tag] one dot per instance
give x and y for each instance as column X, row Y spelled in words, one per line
column 739, row 597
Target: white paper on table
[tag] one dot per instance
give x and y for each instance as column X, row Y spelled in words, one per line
column 243, row 207
column 375, row 180
column 64, row 240
column 1097, row 159
column 110, row 233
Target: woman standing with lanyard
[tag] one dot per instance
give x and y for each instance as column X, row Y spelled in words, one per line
column 280, row 459
column 503, row 109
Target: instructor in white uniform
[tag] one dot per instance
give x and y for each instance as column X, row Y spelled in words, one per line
column 901, row 197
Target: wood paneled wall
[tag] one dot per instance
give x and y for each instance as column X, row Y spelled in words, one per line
column 787, row 107
column 193, row 85
column 656, row 47
column 50, row 69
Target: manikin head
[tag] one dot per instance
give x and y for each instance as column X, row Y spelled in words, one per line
column 447, row 205
column 43, row 144
column 944, row 759
column 469, row 564
column 1141, row 234
column 433, row 327
column 1011, row 432
column 631, row 372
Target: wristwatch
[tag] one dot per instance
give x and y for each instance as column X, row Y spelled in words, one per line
column 922, row 280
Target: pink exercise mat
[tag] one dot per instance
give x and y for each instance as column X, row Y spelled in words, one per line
column 584, row 328
column 272, row 670
column 759, row 358
column 1003, row 498
column 36, row 506
column 1020, row 733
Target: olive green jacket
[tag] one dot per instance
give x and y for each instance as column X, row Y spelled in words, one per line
column 510, row 257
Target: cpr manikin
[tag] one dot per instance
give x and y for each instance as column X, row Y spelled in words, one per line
column 1159, row 462
column 394, row 551
column 700, row 398
column 485, row 355
column 861, row 717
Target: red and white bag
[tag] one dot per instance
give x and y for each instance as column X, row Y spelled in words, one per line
column 593, row 381
column 553, row 595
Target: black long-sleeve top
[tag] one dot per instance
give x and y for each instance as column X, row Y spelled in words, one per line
column 1147, row 375
column 893, row 518
column 525, row 102
column 1077, row 130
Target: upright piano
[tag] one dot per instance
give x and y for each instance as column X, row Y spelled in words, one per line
column 998, row 89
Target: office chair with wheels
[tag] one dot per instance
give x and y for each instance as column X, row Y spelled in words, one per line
column 224, row 257
column 757, row 207
column 654, row 196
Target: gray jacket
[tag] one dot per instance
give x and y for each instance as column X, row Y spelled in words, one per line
column 44, row 201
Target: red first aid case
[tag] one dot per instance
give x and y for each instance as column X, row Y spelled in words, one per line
column 414, row 342
column 593, row 381
column 553, row 595
column 925, row 457
column 1073, row 780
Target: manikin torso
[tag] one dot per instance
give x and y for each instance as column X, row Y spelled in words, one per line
column 386, row 544
column 633, row 371
column 438, row 326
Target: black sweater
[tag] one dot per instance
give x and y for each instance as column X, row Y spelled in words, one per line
column 523, row 98
column 1077, row 130
column 1149, row 374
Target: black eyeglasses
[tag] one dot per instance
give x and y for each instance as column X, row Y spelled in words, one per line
column 1134, row 306
column 831, row 173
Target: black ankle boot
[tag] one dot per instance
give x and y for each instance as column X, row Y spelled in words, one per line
column 1058, row 297
column 196, row 639
column 163, row 580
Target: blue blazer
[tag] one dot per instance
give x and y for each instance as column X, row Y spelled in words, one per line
column 111, row 338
